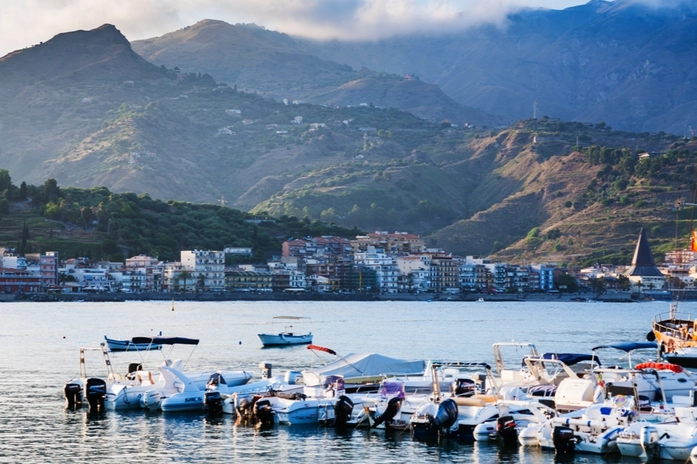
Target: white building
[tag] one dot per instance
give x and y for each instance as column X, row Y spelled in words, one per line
column 385, row 267
column 206, row 267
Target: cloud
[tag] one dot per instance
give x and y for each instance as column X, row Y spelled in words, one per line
column 26, row 23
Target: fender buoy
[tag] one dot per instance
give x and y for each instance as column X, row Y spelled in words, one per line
column 660, row 367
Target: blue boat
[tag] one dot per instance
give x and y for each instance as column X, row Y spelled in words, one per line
column 134, row 344
column 287, row 337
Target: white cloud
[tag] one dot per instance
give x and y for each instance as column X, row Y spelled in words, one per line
column 29, row 22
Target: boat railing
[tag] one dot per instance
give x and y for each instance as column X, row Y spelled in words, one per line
column 682, row 317
column 684, row 329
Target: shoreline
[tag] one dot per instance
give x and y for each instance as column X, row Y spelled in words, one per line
column 620, row 297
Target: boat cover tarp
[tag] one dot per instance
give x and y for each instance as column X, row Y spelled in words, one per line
column 174, row 341
column 628, row 346
column 141, row 340
column 364, row 365
column 570, row 358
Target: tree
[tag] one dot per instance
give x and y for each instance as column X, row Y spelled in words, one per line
column 23, row 191
column 598, row 285
column 5, row 180
column 623, row 282
column 639, row 284
column 183, row 275
column 51, row 190
column 566, row 283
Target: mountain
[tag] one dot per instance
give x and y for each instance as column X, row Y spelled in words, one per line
column 274, row 65
column 624, row 62
column 538, row 189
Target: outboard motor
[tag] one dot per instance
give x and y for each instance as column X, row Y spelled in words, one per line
column 73, row 395
column 446, row 415
column 649, row 441
column 506, row 431
column 214, row 401
column 393, row 407
column 293, row 377
column 243, row 409
column 564, row 440
column 463, row 387
column 263, row 413
column 342, row 411
column 96, row 394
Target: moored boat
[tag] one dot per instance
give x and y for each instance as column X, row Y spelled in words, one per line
column 287, row 336
column 134, row 344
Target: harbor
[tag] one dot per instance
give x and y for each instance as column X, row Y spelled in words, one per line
column 43, row 356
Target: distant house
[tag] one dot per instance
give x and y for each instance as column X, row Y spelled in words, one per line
column 298, row 120
column 233, row 112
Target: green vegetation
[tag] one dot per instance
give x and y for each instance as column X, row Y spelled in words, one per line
column 100, row 224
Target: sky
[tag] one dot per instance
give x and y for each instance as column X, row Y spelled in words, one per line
column 26, row 23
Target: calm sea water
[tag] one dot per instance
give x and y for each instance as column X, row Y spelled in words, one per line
column 40, row 345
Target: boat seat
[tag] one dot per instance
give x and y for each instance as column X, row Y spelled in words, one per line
column 133, row 367
column 479, row 400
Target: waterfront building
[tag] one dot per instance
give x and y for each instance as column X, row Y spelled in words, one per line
column 542, row 277
column 207, row 268
column 141, row 261
column 176, row 278
column 445, row 274
column 48, row 267
column 385, row 268
column 133, row 281
column 394, row 243
column 18, row 281
column 242, row 280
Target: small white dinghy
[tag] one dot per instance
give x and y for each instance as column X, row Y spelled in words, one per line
column 287, row 337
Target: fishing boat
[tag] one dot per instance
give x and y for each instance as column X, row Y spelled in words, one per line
column 676, row 335
column 287, row 337
column 134, row 344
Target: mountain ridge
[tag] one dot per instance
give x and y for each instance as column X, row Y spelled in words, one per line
column 540, row 188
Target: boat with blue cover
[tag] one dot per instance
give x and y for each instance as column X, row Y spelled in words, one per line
column 134, row 344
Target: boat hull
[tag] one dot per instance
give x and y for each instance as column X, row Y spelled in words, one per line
column 128, row 345
column 283, row 339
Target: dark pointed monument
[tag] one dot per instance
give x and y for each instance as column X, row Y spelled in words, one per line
column 643, row 268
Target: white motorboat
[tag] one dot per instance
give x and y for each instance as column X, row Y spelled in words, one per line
column 512, row 418
column 315, row 405
column 617, row 398
column 287, row 336
column 128, row 391
column 670, row 436
column 591, row 430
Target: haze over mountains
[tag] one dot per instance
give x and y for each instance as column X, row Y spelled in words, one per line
column 623, row 62
column 370, row 147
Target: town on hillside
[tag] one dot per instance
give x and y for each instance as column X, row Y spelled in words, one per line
column 377, row 263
